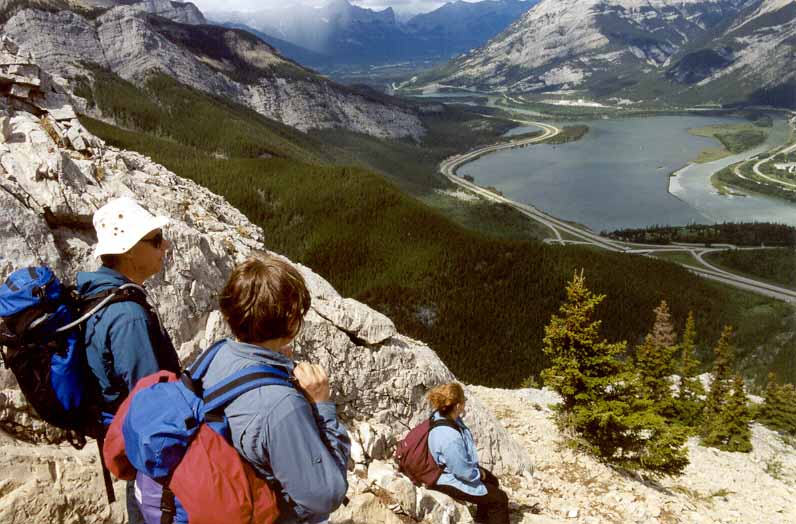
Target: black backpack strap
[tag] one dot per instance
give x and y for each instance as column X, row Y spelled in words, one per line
column 444, row 421
column 168, row 506
column 106, row 475
column 217, row 397
column 125, row 293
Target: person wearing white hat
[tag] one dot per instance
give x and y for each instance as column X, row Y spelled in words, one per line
column 130, row 239
column 125, row 341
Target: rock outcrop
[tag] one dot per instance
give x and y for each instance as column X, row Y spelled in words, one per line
column 133, row 43
column 182, row 12
column 53, row 176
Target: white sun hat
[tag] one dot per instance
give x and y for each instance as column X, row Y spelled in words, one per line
column 121, row 223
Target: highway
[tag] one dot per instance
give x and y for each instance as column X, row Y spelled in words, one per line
column 449, row 166
column 757, row 165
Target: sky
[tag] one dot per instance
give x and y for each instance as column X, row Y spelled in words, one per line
column 400, row 6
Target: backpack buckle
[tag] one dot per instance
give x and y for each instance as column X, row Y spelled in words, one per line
column 167, row 505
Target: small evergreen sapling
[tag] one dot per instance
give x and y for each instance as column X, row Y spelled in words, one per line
column 778, row 411
column 727, row 413
column 729, row 431
column 656, row 364
column 690, row 392
column 583, row 368
column 722, row 375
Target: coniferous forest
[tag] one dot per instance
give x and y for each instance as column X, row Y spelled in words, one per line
column 737, row 233
column 480, row 301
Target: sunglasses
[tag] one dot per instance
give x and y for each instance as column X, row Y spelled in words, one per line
column 156, row 241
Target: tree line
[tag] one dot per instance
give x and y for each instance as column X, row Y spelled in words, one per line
column 737, row 233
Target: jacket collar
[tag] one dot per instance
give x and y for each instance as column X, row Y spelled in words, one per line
column 100, row 280
column 260, row 354
column 437, row 416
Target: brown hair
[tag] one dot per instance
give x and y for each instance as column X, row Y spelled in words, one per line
column 443, row 398
column 265, row 298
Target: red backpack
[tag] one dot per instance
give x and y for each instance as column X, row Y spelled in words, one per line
column 172, row 431
column 413, row 456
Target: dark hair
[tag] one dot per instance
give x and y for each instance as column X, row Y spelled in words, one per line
column 111, row 261
column 265, row 298
column 445, row 397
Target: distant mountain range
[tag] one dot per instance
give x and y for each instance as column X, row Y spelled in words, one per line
column 720, row 51
column 341, row 34
column 136, row 40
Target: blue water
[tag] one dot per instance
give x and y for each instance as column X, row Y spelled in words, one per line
column 617, row 176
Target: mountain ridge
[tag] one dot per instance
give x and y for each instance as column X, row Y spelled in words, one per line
column 133, row 43
column 347, row 34
column 695, row 50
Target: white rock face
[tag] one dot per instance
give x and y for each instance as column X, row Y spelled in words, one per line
column 128, row 42
column 764, row 55
column 53, row 176
column 182, row 12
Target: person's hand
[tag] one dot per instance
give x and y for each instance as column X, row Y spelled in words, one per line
column 313, row 381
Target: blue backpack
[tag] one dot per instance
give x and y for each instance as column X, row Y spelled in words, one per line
column 173, row 430
column 41, row 323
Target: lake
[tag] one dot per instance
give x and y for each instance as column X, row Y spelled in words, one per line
column 617, row 176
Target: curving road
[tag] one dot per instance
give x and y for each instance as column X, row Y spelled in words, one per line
column 449, row 166
column 756, row 167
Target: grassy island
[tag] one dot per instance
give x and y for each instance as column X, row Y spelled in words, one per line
column 734, row 138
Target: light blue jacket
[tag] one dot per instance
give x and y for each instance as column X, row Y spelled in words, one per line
column 455, row 452
column 301, row 446
column 124, row 343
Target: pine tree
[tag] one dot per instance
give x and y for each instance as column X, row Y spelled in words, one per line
column 730, row 430
column 602, row 397
column 582, row 367
column 778, row 411
column 722, row 374
column 655, row 361
column 689, row 404
column 727, row 415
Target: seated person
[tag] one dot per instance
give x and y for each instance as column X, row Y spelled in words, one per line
column 462, row 478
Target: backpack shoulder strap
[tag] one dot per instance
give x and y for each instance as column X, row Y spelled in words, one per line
column 247, row 379
column 199, row 367
column 444, row 421
column 92, row 304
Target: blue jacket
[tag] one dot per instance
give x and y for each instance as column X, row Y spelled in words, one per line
column 300, row 446
column 124, row 343
column 455, row 452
